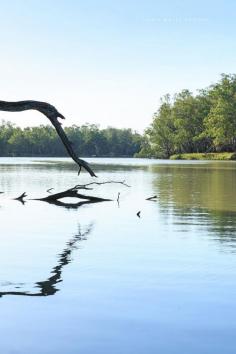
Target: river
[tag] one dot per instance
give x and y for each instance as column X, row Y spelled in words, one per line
column 98, row 278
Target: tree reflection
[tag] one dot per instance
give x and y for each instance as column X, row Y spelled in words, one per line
column 211, row 186
column 199, row 195
column 48, row 286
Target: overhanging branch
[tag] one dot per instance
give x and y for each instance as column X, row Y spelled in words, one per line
column 52, row 114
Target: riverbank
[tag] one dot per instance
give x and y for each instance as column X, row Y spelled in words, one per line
column 229, row 156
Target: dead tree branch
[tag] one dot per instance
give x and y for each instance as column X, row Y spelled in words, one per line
column 52, row 114
column 151, row 198
column 21, row 198
column 86, row 186
column 71, row 193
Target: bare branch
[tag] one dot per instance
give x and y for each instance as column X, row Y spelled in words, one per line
column 71, row 193
column 52, row 114
column 85, row 186
column 151, row 198
column 49, row 190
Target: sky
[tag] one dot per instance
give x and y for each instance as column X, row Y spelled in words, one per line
column 109, row 62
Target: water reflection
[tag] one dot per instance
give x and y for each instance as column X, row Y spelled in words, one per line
column 170, row 272
column 210, row 186
column 65, row 164
column 48, row 286
column 200, row 196
column 71, row 205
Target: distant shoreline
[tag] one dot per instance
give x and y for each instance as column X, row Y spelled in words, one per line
column 220, row 156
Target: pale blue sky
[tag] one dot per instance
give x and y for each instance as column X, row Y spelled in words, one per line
column 109, row 62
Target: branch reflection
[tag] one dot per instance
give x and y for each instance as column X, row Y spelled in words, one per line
column 48, row 286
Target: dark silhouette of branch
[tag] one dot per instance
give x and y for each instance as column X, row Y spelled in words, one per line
column 49, row 190
column 21, row 198
column 72, row 205
column 151, row 198
column 48, row 286
column 71, row 193
column 85, row 186
column 52, row 114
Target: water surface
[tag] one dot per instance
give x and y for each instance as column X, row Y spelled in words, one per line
column 98, row 279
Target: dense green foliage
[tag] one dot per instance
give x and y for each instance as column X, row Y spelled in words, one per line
column 88, row 140
column 185, row 124
column 189, row 123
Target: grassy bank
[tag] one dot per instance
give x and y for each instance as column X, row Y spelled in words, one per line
column 205, row 156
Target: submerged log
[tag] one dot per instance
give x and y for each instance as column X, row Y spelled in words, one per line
column 52, row 114
column 73, row 193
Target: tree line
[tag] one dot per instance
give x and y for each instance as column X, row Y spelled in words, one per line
column 88, row 140
column 184, row 123
column 187, row 123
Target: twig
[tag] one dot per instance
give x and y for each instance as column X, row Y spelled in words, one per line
column 85, row 186
column 118, row 199
column 49, row 190
column 151, row 198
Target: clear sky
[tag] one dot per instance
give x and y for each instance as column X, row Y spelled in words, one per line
column 109, row 62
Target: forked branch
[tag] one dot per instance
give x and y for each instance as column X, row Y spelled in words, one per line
column 73, row 193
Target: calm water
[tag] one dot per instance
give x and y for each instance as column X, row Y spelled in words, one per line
column 98, row 279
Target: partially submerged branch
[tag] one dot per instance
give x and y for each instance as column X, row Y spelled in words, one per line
column 152, row 198
column 21, row 198
column 71, row 193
